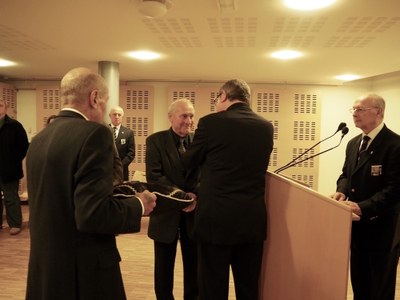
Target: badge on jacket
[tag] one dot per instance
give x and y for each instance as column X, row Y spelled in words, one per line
column 123, row 141
column 376, row 170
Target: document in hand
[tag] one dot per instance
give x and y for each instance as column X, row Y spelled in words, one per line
column 168, row 198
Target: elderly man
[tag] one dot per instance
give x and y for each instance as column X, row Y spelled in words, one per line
column 370, row 185
column 164, row 150
column 73, row 215
column 124, row 139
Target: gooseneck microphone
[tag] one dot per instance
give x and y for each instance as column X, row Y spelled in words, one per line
column 341, row 126
column 344, row 130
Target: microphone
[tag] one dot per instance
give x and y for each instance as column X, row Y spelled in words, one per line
column 344, row 130
column 340, row 127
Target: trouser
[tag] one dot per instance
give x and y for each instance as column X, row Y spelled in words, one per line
column 12, row 203
column 165, row 254
column 214, row 262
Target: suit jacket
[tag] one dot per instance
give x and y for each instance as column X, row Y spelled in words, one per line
column 232, row 148
column 73, row 215
column 374, row 183
column 13, row 146
column 125, row 143
column 164, row 166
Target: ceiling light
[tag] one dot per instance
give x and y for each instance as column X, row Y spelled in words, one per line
column 153, row 8
column 308, row 4
column 347, row 77
column 144, row 55
column 286, row 54
column 6, row 63
column 227, row 6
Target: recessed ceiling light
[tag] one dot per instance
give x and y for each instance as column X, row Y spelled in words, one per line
column 6, row 63
column 308, row 4
column 286, row 54
column 347, row 77
column 144, row 55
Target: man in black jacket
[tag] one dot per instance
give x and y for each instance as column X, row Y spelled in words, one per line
column 13, row 146
column 370, row 185
column 124, row 139
column 163, row 166
column 232, row 148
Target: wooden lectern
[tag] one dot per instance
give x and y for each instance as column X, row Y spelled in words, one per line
column 306, row 254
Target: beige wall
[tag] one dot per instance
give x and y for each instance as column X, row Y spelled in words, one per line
column 336, row 100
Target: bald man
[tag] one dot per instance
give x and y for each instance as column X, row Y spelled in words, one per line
column 73, row 215
column 124, row 139
column 370, row 185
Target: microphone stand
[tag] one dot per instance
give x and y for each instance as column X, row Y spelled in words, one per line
column 288, row 165
column 345, row 130
column 341, row 127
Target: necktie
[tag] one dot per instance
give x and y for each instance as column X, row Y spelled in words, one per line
column 364, row 144
column 115, row 133
column 181, row 148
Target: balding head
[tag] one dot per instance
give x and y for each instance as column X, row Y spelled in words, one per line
column 86, row 91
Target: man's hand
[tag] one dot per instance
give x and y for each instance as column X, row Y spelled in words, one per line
column 354, row 207
column 192, row 206
column 149, row 201
column 338, row 196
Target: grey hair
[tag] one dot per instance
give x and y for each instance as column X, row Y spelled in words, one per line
column 183, row 101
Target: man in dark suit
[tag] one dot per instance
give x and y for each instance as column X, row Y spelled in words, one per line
column 124, row 139
column 73, row 215
column 232, row 147
column 370, row 185
column 13, row 146
column 163, row 166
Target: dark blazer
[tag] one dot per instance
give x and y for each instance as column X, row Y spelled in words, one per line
column 13, row 146
column 232, row 148
column 73, row 215
column 125, row 143
column 164, row 166
column 374, row 183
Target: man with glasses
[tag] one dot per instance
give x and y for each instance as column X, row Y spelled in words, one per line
column 370, row 185
column 232, row 148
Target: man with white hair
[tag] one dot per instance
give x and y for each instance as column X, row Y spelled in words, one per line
column 74, row 216
column 124, row 139
column 370, row 185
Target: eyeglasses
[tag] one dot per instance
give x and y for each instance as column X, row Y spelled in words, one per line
column 215, row 100
column 360, row 109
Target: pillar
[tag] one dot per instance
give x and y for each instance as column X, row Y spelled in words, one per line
column 110, row 71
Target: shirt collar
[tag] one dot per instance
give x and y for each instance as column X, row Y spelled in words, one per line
column 374, row 132
column 76, row 111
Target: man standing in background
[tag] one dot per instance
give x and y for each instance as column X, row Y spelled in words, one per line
column 163, row 166
column 232, row 148
column 124, row 139
column 370, row 185
column 13, row 146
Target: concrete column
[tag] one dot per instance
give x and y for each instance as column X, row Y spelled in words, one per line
column 110, row 71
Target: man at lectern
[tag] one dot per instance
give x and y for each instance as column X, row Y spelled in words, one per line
column 370, row 185
column 232, row 148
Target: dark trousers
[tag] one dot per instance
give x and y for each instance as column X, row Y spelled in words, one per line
column 373, row 273
column 214, row 262
column 12, row 203
column 164, row 264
